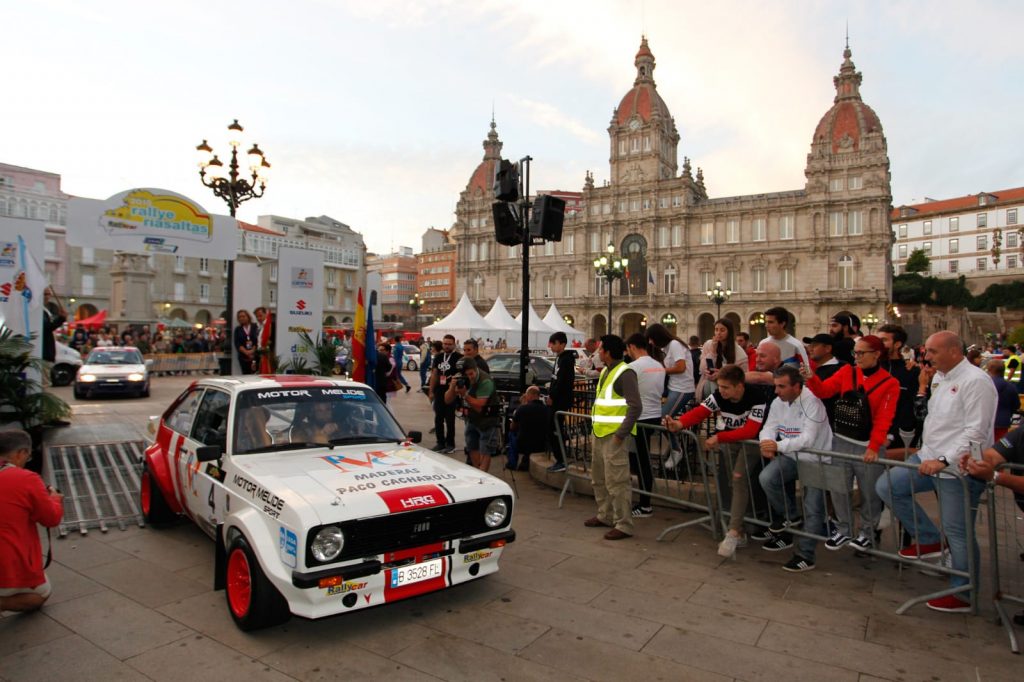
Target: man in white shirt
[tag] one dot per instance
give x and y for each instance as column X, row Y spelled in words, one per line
column 776, row 323
column 961, row 412
column 796, row 421
column 650, row 376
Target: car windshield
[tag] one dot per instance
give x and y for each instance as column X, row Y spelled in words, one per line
column 112, row 357
column 293, row 418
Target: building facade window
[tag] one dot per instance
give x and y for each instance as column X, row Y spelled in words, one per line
column 954, row 224
column 757, row 280
column 677, row 235
column 204, row 293
column 982, row 242
column 954, row 246
column 926, row 227
column 707, row 233
column 927, row 248
column 983, row 220
column 670, row 280
column 954, row 265
column 179, row 291
column 903, row 231
column 510, row 290
column 568, row 243
column 732, row 280
column 856, row 222
column 786, row 279
column 179, row 264
column 758, row 232
column 901, row 251
column 835, row 223
column 706, row 280
column 1011, row 240
column 88, row 285
column 982, row 264
column 662, row 237
column 786, row 227
column 835, row 185
column 856, row 182
column 1011, row 262
column 845, row 272
column 567, row 287
column 732, row 232
column 1011, row 216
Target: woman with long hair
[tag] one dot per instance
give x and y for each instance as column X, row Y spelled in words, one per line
column 678, row 379
column 720, row 350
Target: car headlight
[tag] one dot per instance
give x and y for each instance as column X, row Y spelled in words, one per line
column 135, row 376
column 87, row 378
column 327, row 543
column 496, row 512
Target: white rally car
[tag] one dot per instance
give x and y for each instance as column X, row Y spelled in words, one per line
column 318, row 502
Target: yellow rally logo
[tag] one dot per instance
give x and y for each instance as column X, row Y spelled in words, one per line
column 475, row 556
column 158, row 214
column 344, row 587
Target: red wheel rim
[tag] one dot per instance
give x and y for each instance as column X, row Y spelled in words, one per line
column 239, row 583
column 145, row 494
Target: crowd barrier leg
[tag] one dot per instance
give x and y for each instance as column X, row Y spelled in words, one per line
column 1006, row 528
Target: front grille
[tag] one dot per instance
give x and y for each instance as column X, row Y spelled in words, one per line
column 393, row 532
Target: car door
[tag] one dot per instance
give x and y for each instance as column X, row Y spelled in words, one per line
column 199, row 479
column 173, row 437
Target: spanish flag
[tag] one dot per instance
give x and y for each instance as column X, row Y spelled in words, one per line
column 359, row 341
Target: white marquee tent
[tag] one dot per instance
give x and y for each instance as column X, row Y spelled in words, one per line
column 554, row 320
column 539, row 331
column 500, row 318
column 463, row 323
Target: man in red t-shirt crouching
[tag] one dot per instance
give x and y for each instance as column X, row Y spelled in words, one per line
column 24, row 501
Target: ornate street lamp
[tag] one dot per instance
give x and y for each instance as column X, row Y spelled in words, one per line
column 611, row 269
column 718, row 296
column 416, row 303
column 568, row 319
column 870, row 320
column 233, row 186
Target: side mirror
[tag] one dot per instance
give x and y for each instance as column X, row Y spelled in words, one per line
column 209, row 453
column 149, row 363
column 416, row 436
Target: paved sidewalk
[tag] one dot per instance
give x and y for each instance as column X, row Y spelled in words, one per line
column 566, row 605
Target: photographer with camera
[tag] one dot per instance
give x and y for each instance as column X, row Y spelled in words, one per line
column 479, row 401
column 24, row 501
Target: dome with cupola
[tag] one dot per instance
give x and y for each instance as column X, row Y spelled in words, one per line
column 643, row 100
column 850, row 124
column 482, row 179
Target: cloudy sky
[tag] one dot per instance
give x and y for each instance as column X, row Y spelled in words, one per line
column 373, row 112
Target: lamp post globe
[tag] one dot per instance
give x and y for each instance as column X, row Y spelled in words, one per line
column 611, row 269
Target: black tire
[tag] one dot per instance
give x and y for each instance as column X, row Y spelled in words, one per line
column 411, row 365
column 62, row 374
column 155, row 509
column 253, row 601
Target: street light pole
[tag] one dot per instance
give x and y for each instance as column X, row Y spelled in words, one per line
column 870, row 320
column 718, row 296
column 416, row 303
column 233, row 188
column 611, row 269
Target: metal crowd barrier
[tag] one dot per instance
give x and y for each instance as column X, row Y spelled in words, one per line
column 1006, row 528
column 685, row 485
column 833, row 477
column 179, row 363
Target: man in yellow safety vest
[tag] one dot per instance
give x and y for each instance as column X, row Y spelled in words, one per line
column 617, row 406
column 1013, row 365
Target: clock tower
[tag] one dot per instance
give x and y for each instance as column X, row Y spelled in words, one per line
column 642, row 131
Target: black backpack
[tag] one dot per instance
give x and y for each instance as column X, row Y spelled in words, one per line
column 853, row 412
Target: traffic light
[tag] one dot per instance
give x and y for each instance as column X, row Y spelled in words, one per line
column 547, row 217
column 506, row 181
column 506, row 224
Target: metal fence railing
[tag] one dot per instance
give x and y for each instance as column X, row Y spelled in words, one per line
column 1006, row 547
column 183, row 363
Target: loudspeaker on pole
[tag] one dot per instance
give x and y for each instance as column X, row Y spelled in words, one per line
column 547, row 217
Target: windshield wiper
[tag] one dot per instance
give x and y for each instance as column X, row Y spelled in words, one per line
column 277, row 447
column 360, row 439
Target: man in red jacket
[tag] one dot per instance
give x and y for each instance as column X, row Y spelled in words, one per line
column 740, row 410
column 883, row 392
column 24, row 502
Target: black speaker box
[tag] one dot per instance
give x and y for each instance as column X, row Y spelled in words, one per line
column 506, row 224
column 548, row 216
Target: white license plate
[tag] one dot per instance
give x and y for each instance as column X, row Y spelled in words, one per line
column 407, row 575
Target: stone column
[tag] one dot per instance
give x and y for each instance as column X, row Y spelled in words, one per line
column 129, row 289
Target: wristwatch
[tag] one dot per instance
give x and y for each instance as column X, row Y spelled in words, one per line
column 942, row 458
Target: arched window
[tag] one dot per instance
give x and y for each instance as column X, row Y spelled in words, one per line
column 634, row 247
column 472, row 251
column 670, row 280
column 478, row 288
column 845, row 280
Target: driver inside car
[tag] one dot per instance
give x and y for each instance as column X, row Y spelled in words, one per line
column 317, row 425
column 252, row 433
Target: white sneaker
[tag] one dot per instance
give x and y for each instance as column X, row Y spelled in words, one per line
column 727, row 547
column 673, row 459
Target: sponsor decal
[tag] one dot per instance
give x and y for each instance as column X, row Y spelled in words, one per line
column 350, row 586
column 8, row 252
column 414, row 497
column 299, row 329
column 346, row 393
column 294, row 393
column 272, row 504
column 365, row 460
column 158, row 245
column 302, row 278
column 158, row 214
column 288, row 544
column 475, row 556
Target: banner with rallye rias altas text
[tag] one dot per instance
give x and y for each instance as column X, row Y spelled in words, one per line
column 151, row 221
column 300, row 302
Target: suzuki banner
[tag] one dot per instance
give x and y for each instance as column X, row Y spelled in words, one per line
column 300, row 301
column 151, row 221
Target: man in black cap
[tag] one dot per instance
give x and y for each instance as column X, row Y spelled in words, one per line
column 840, row 328
column 819, row 348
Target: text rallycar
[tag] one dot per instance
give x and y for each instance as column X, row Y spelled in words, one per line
column 272, row 504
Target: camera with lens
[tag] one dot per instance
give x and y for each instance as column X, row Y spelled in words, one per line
column 461, row 382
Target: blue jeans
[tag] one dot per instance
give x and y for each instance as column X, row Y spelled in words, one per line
column 897, row 491
column 778, row 480
column 814, row 521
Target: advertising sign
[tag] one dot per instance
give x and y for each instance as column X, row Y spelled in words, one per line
column 300, row 301
column 22, row 280
column 151, row 221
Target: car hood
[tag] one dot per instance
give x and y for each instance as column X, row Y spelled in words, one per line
column 360, row 481
column 112, row 370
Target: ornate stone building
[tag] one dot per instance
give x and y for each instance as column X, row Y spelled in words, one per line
column 816, row 250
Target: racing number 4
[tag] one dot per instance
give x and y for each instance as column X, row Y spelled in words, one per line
column 210, row 501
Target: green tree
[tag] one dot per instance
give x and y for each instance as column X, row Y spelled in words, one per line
column 1017, row 335
column 918, row 261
